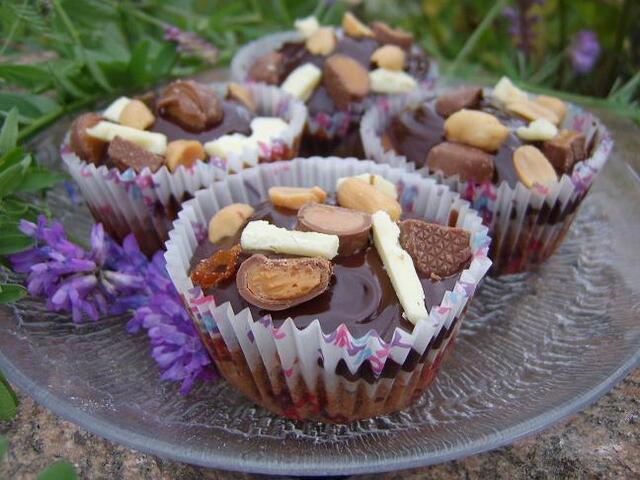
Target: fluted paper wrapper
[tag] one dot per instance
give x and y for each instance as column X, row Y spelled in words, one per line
column 526, row 225
column 321, row 127
column 290, row 371
column 146, row 203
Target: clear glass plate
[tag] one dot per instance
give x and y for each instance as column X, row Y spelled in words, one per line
column 533, row 349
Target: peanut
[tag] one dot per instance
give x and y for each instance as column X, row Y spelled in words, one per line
column 477, row 129
column 390, row 57
column 295, row 197
column 354, row 27
column 237, row 92
column 533, row 167
column 554, row 104
column 136, row 115
column 322, row 42
column 531, row 111
column 359, row 195
column 183, row 152
column 228, row 221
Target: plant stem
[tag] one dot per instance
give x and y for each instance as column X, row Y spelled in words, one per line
column 562, row 13
column 471, row 42
column 614, row 57
column 12, row 32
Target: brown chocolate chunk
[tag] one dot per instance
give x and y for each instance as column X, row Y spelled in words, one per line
column 565, row 150
column 281, row 283
column 464, row 97
column 351, row 226
column 221, row 266
column 384, row 34
column 84, row 145
column 345, row 80
column 193, row 106
column 436, row 250
column 269, row 68
column 456, row 159
column 387, row 143
column 125, row 154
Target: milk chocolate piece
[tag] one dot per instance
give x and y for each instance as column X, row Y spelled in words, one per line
column 565, row 150
column 438, row 251
column 84, row 145
column 193, row 106
column 269, row 68
column 464, row 97
column 351, row 226
column 125, row 154
column 345, row 80
column 281, row 283
column 384, row 34
column 456, row 159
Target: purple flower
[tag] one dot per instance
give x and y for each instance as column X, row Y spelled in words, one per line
column 191, row 44
column 175, row 344
column 584, row 52
column 522, row 23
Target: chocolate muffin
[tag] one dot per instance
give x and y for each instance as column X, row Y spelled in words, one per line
column 324, row 275
column 522, row 160
column 338, row 73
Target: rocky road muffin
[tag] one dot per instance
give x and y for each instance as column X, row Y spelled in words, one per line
column 141, row 157
column 338, row 73
column 492, row 143
column 347, row 269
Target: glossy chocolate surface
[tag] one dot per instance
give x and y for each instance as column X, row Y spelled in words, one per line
column 360, row 293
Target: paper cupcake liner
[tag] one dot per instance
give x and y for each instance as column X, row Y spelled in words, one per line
column 321, row 127
column 526, row 225
column 146, row 203
column 292, row 371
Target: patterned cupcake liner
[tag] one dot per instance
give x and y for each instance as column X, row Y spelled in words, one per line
column 526, row 225
column 292, row 371
column 323, row 128
column 146, row 203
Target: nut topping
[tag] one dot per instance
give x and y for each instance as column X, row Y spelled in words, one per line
column 357, row 194
column 212, row 271
column 295, row 197
column 228, row 221
column 554, row 104
column 322, row 42
column 385, row 34
column 531, row 111
column 237, row 92
column 193, row 106
column 477, row 129
column 84, row 145
column 183, row 152
column 390, row 57
column 532, row 167
column 354, row 27
column 352, row 227
column 136, row 114
column 281, row 283
column 345, row 80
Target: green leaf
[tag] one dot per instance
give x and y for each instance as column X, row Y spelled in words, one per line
column 8, row 404
column 164, row 60
column 30, row 106
column 11, row 177
column 60, row 470
column 39, row 179
column 14, row 242
column 32, row 77
column 9, row 132
column 138, row 63
column 4, row 444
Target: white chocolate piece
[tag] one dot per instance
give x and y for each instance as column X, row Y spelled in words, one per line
column 151, row 141
column 399, row 266
column 234, row 143
column 382, row 184
column 505, row 91
column 307, row 26
column 382, row 80
column 114, row 110
column 538, row 130
column 260, row 235
column 302, row 81
column 265, row 129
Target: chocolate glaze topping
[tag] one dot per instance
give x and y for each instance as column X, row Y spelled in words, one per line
column 360, row 293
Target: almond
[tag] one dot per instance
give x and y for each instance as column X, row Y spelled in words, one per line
column 476, row 129
column 354, row 27
column 295, row 197
column 183, row 152
column 359, row 195
column 390, row 57
column 532, row 167
column 136, row 114
column 228, row 221
column 322, row 42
